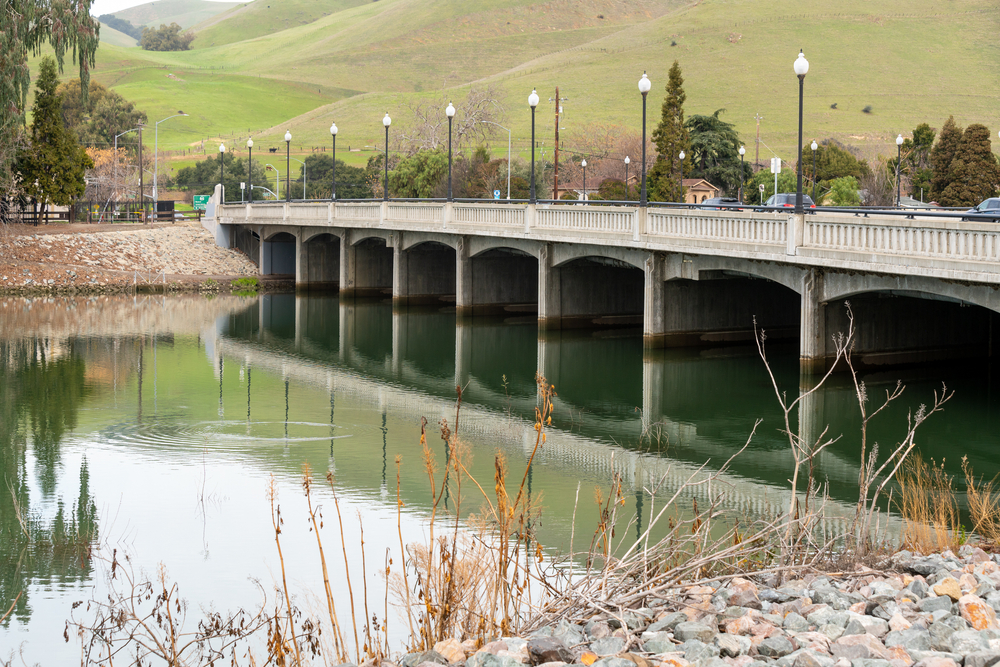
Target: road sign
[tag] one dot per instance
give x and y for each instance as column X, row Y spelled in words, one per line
column 761, row 186
column 496, row 194
column 776, row 165
column 243, row 185
column 200, row 202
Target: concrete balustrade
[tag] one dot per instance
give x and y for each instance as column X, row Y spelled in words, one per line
column 688, row 277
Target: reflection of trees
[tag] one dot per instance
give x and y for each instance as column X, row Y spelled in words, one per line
column 41, row 389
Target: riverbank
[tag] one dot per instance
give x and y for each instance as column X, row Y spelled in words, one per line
column 79, row 258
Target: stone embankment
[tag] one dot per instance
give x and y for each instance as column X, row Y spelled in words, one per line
column 936, row 611
column 66, row 258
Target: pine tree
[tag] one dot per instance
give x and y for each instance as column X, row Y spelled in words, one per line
column 53, row 167
column 974, row 174
column 942, row 154
column 670, row 137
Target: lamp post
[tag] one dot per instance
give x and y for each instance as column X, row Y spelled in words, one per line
column 450, row 113
column 681, row 183
column 277, row 180
column 801, row 67
column 626, row 177
column 134, row 129
column 508, row 151
column 899, row 154
column 250, row 169
column 288, row 162
column 814, row 146
column 222, row 171
column 644, row 85
column 584, row 165
column 156, row 156
column 333, row 135
column 743, row 151
column 385, row 181
column 533, row 102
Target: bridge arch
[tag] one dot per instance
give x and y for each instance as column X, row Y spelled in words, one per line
column 477, row 245
column 423, row 269
column 278, row 251
column 319, row 259
column 564, row 253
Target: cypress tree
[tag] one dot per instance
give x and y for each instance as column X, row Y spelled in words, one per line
column 974, row 173
column 670, row 137
column 942, row 154
column 54, row 165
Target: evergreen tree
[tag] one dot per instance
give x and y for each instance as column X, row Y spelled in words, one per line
column 715, row 146
column 942, row 154
column 974, row 174
column 917, row 160
column 671, row 137
column 53, row 168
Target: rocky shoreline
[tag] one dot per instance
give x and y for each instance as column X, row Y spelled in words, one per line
column 930, row 611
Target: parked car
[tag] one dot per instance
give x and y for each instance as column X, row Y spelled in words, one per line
column 784, row 200
column 987, row 211
column 721, row 204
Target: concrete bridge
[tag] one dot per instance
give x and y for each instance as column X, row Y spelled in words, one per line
column 687, row 277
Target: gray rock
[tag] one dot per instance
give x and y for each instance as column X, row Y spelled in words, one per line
column 851, row 652
column 855, row 627
column 668, row 622
column 923, row 655
column 831, row 596
column 870, row 662
column 598, row 629
column 821, row 616
column 775, row 647
column 965, row 642
column 985, row 587
column 414, row 659
column 692, row 630
column 926, row 566
column 515, row 644
column 795, row 623
column 771, row 595
column 731, row 646
column 695, row 650
column 940, row 635
column 486, row 659
column 569, row 633
column 942, row 602
column 886, row 610
column 712, row 662
column 993, row 600
column 542, row 632
column 549, row 649
column 841, row 619
column 613, row 662
column 914, row 637
column 658, row 646
column 608, row 646
column 982, row 659
column 632, row 621
column 813, row 659
column 832, row 632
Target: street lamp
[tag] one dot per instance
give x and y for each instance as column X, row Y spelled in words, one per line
column 385, row 181
column 288, row 162
column 814, row 146
column 899, row 153
column 644, row 85
column 533, row 102
column 134, row 129
column 250, row 169
column 333, row 134
column 277, row 180
column 743, row 151
column 450, row 113
column 801, row 67
column 584, row 165
column 626, row 177
column 222, row 171
column 156, row 155
column 508, row 152
column 681, row 183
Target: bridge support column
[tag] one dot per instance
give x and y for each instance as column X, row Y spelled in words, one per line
column 301, row 261
column 400, row 271
column 463, row 279
column 348, row 266
column 549, row 291
column 654, row 324
column 812, row 328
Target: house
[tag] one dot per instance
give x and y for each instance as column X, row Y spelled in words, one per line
column 697, row 190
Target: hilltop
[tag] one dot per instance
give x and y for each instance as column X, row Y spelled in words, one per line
column 185, row 13
column 271, row 65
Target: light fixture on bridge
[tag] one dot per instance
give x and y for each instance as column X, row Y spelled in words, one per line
column 222, row 172
column 801, row 67
column 627, row 160
column 250, row 168
column 742, row 151
column 584, row 165
column 533, row 102
column 288, row 162
column 899, row 154
column 450, row 113
column 385, row 180
column 644, row 86
column 333, row 134
column 814, row 146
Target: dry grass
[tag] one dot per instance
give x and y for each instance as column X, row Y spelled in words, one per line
column 926, row 503
column 984, row 505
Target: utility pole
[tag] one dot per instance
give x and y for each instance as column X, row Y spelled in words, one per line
column 555, row 178
column 142, row 202
column 756, row 157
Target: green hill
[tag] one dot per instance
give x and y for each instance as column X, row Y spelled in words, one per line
column 272, row 65
column 115, row 38
column 185, row 13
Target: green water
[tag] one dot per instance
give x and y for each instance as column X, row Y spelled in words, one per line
column 153, row 426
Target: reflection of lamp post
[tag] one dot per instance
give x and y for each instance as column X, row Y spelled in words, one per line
column 743, row 151
column 626, row 177
column 584, row 165
column 644, row 85
column 533, row 102
column 899, row 154
column 385, row 181
column 801, row 67
column 333, row 133
column 156, row 155
column 288, row 169
column 222, row 171
column 814, row 146
column 250, row 169
column 450, row 113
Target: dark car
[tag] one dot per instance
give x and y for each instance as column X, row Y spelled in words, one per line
column 987, row 211
column 784, row 200
column 721, row 204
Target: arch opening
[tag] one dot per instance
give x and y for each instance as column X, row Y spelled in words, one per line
column 503, row 281
column 598, row 291
column 321, row 263
column 278, row 255
column 369, row 269
column 428, row 274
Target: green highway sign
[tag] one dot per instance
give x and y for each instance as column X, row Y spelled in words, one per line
column 200, row 202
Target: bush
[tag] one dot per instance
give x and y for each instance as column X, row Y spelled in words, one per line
column 166, row 38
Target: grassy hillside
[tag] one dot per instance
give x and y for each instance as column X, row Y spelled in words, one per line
column 273, row 65
column 185, row 13
column 115, row 38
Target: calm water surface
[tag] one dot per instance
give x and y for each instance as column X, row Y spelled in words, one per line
column 154, row 425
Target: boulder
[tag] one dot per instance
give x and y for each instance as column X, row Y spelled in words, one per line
column 694, row 630
column 977, row 613
column 936, row 662
column 948, row 586
column 982, row 659
column 608, row 646
column 934, row 604
column 775, row 647
column 451, row 649
column 550, row 649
